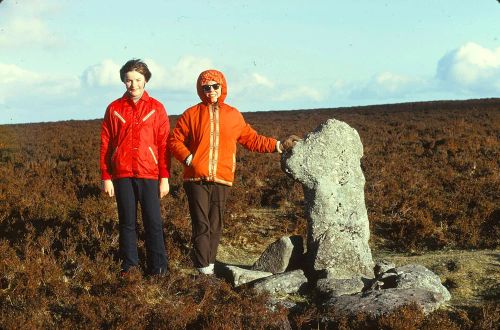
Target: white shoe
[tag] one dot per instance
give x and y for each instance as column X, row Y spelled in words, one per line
column 208, row 270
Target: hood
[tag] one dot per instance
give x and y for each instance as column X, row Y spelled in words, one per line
column 205, row 77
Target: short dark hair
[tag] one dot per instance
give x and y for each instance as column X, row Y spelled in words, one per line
column 135, row 65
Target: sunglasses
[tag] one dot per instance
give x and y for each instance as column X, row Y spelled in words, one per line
column 208, row 88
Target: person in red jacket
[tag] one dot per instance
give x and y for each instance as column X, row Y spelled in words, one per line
column 204, row 140
column 135, row 165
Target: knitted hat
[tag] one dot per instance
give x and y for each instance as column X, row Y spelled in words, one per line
column 211, row 75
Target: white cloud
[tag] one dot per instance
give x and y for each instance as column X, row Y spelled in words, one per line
column 258, row 84
column 249, row 83
column 471, row 67
column 292, row 93
column 469, row 71
column 24, row 25
column 17, row 83
column 11, row 77
column 28, row 32
column 104, row 74
column 387, row 85
column 391, row 84
column 10, row 73
column 182, row 76
column 262, row 80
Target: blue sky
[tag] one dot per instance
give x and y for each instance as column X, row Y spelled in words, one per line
column 59, row 60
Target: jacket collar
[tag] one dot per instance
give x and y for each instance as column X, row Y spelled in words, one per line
column 145, row 97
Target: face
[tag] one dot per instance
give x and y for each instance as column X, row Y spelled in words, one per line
column 135, row 82
column 210, row 91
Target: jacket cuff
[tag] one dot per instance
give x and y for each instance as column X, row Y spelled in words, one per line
column 105, row 175
column 188, row 160
column 164, row 173
column 278, row 147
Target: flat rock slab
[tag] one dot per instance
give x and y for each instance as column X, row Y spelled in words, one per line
column 377, row 303
column 339, row 287
column 238, row 276
column 285, row 283
column 417, row 276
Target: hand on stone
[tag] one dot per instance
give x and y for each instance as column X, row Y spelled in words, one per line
column 290, row 142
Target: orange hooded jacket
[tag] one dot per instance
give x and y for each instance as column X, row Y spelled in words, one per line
column 209, row 132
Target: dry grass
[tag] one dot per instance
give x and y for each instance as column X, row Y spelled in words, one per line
column 432, row 183
column 472, row 277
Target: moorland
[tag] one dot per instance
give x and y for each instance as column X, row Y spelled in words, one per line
column 432, row 193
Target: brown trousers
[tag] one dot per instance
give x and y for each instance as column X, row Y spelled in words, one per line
column 207, row 202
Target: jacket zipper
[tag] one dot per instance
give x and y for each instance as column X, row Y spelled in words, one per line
column 216, row 140
column 211, row 146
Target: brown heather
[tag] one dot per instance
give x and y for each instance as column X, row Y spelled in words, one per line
column 432, row 183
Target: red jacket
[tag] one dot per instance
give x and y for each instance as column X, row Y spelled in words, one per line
column 210, row 134
column 134, row 139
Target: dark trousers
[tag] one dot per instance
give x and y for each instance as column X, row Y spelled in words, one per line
column 207, row 202
column 128, row 192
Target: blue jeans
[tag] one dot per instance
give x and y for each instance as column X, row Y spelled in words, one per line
column 128, row 192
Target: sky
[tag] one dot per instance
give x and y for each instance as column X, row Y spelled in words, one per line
column 60, row 60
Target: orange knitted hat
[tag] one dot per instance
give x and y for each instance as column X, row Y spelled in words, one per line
column 211, row 75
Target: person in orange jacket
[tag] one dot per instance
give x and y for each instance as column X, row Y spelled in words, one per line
column 135, row 165
column 204, row 140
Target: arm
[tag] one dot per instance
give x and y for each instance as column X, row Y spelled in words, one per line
column 162, row 143
column 163, row 152
column 105, row 156
column 255, row 142
column 106, row 147
column 179, row 139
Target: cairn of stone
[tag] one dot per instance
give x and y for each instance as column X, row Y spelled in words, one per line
column 327, row 163
column 394, row 288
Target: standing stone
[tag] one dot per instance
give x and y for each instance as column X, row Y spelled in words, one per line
column 327, row 163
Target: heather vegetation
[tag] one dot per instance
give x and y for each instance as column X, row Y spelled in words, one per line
column 432, row 183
